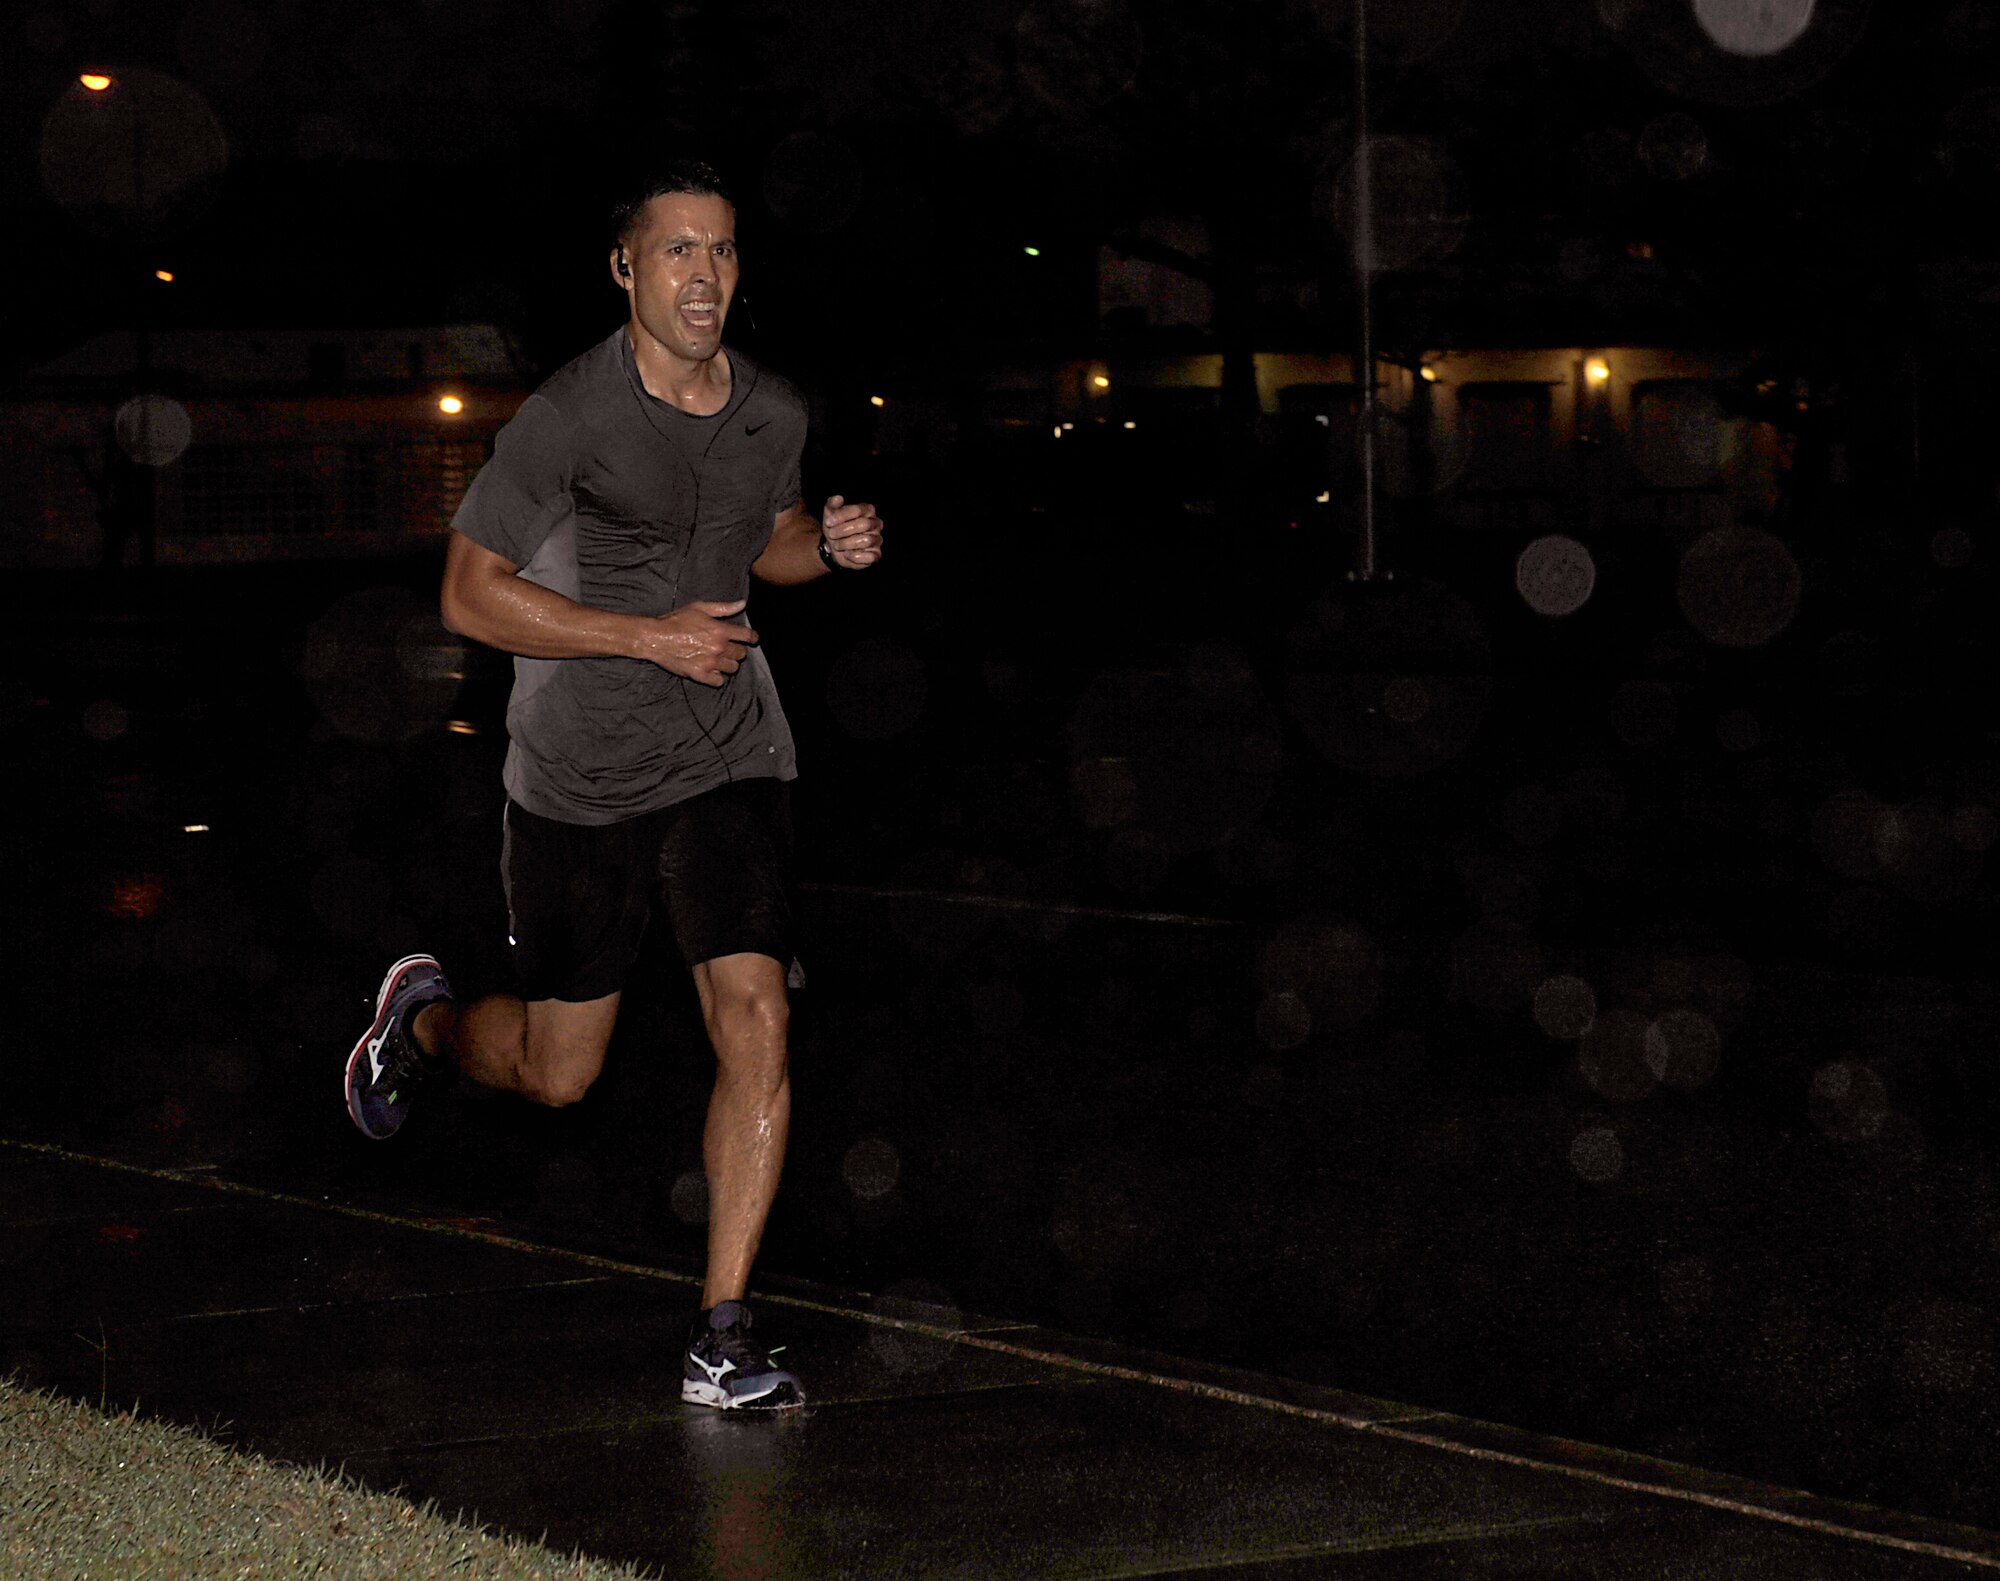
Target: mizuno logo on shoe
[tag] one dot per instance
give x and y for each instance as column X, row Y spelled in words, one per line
column 375, row 1054
column 715, row 1374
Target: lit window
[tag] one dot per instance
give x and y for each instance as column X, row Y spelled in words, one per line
column 451, row 405
column 95, row 81
column 1597, row 370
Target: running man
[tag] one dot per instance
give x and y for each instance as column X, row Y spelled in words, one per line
column 609, row 545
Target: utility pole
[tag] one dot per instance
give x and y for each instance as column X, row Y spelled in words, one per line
column 1364, row 265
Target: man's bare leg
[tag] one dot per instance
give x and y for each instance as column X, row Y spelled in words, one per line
column 744, row 1004
column 547, row 1050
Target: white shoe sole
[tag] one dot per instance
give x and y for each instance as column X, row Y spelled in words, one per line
column 717, row 1398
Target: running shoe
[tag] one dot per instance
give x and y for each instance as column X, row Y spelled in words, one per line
column 728, row 1370
column 386, row 1064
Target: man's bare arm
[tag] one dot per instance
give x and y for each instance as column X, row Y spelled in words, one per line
column 485, row 598
column 853, row 536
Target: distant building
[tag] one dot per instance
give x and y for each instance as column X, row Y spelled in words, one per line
column 256, row 445
column 1508, row 438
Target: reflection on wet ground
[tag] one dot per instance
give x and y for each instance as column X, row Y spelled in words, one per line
column 1594, row 1039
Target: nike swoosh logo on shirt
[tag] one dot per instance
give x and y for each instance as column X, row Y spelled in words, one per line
column 751, row 428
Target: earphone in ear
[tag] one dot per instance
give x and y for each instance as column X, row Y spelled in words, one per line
column 624, row 268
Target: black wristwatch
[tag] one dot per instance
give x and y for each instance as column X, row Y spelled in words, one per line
column 826, row 556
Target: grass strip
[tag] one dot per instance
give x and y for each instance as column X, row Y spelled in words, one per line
column 83, row 1494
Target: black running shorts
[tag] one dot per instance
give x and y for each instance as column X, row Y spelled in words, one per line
column 579, row 895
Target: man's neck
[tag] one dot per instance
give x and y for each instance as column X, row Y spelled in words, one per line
column 701, row 388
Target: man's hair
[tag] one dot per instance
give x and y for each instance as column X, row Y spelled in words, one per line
column 681, row 175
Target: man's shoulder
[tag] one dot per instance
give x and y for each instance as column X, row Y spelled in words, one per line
column 585, row 381
column 771, row 393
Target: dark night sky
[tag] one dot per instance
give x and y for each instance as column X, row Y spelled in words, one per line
column 1616, row 175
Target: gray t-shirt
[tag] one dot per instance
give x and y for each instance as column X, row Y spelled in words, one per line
column 613, row 498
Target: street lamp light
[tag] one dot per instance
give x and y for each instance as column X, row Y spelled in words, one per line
column 95, row 81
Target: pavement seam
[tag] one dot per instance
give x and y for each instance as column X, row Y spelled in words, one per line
column 1332, row 1547
column 983, row 1341
column 208, row 1314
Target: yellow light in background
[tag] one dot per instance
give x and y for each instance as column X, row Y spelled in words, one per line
column 461, row 727
column 165, row 275
column 194, row 828
column 451, row 406
column 1058, row 430
column 1069, row 425
column 1597, row 370
column 95, row 81
column 1101, row 380
column 1130, row 424
column 1428, row 374
column 876, row 400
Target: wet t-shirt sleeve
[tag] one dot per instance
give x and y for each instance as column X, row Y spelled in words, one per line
column 523, row 491
column 789, row 490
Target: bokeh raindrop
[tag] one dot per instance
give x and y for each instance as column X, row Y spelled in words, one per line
column 1555, row 575
column 380, row 665
column 1332, row 965
column 137, row 150
column 1683, row 1048
column 871, row 1168
column 1951, row 548
column 1754, row 27
column 690, row 1197
column 1597, row 1155
column 1739, row 586
column 1974, row 827
column 154, row 430
column 1284, row 1020
column 1737, row 730
column 1612, row 1057
column 1847, row 1101
column 105, row 720
column 1417, row 204
column 1565, row 1006
column 1365, row 660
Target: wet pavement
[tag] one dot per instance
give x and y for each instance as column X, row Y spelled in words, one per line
column 1609, row 1057
column 534, row 1385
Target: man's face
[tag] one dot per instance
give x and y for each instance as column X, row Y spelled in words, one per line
column 682, row 254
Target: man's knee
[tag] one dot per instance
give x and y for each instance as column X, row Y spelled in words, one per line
column 563, row 1052
column 559, row 1087
column 746, row 1005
